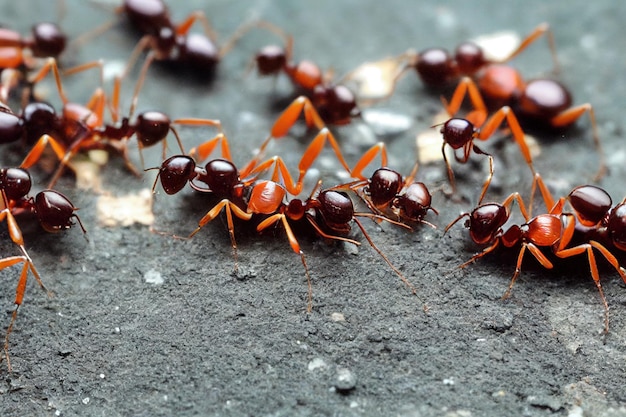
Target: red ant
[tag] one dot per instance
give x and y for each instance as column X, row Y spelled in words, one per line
column 437, row 68
column 335, row 102
column 460, row 133
column 554, row 230
column 541, row 101
column 17, row 53
column 52, row 209
column 596, row 217
column 167, row 41
column 83, row 128
column 225, row 181
column 387, row 193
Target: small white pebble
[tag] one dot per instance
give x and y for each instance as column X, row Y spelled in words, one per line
column 337, row 317
column 86, row 400
column 153, row 277
column 101, row 376
column 317, row 363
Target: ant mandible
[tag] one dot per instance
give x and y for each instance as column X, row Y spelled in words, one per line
column 54, row 213
column 553, row 230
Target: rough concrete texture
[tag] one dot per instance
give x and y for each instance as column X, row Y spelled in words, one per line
column 143, row 324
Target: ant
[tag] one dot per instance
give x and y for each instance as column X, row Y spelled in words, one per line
column 553, row 230
column 387, row 193
column 437, row 68
column 596, row 217
column 83, row 128
column 54, row 213
column 167, row 41
column 224, row 180
column 459, row 133
column 540, row 101
column 18, row 52
column 335, row 103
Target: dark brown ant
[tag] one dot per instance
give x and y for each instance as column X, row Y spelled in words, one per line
column 335, row 103
column 54, row 213
column 553, row 230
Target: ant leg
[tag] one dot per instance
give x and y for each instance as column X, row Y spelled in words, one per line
column 396, row 270
column 229, row 208
column 518, row 134
column 301, row 105
column 489, row 177
column 554, row 208
column 588, row 247
column 295, row 246
column 368, row 157
column 202, row 151
column 467, row 87
column 569, row 116
column 541, row 30
column 51, row 64
column 479, row 255
column 35, row 153
column 541, row 258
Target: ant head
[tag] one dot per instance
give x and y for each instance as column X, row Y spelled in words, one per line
column 415, row 202
column 152, row 127
column 457, row 132
column 175, row 172
column 383, row 186
column 221, row 177
column 11, row 126
column 54, row 211
column 435, row 67
column 469, row 58
column 591, row 203
column 486, row 221
column 48, row 40
column 15, row 182
column 336, row 209
column 617, row 226
column 271, row 59
column 336, row 104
